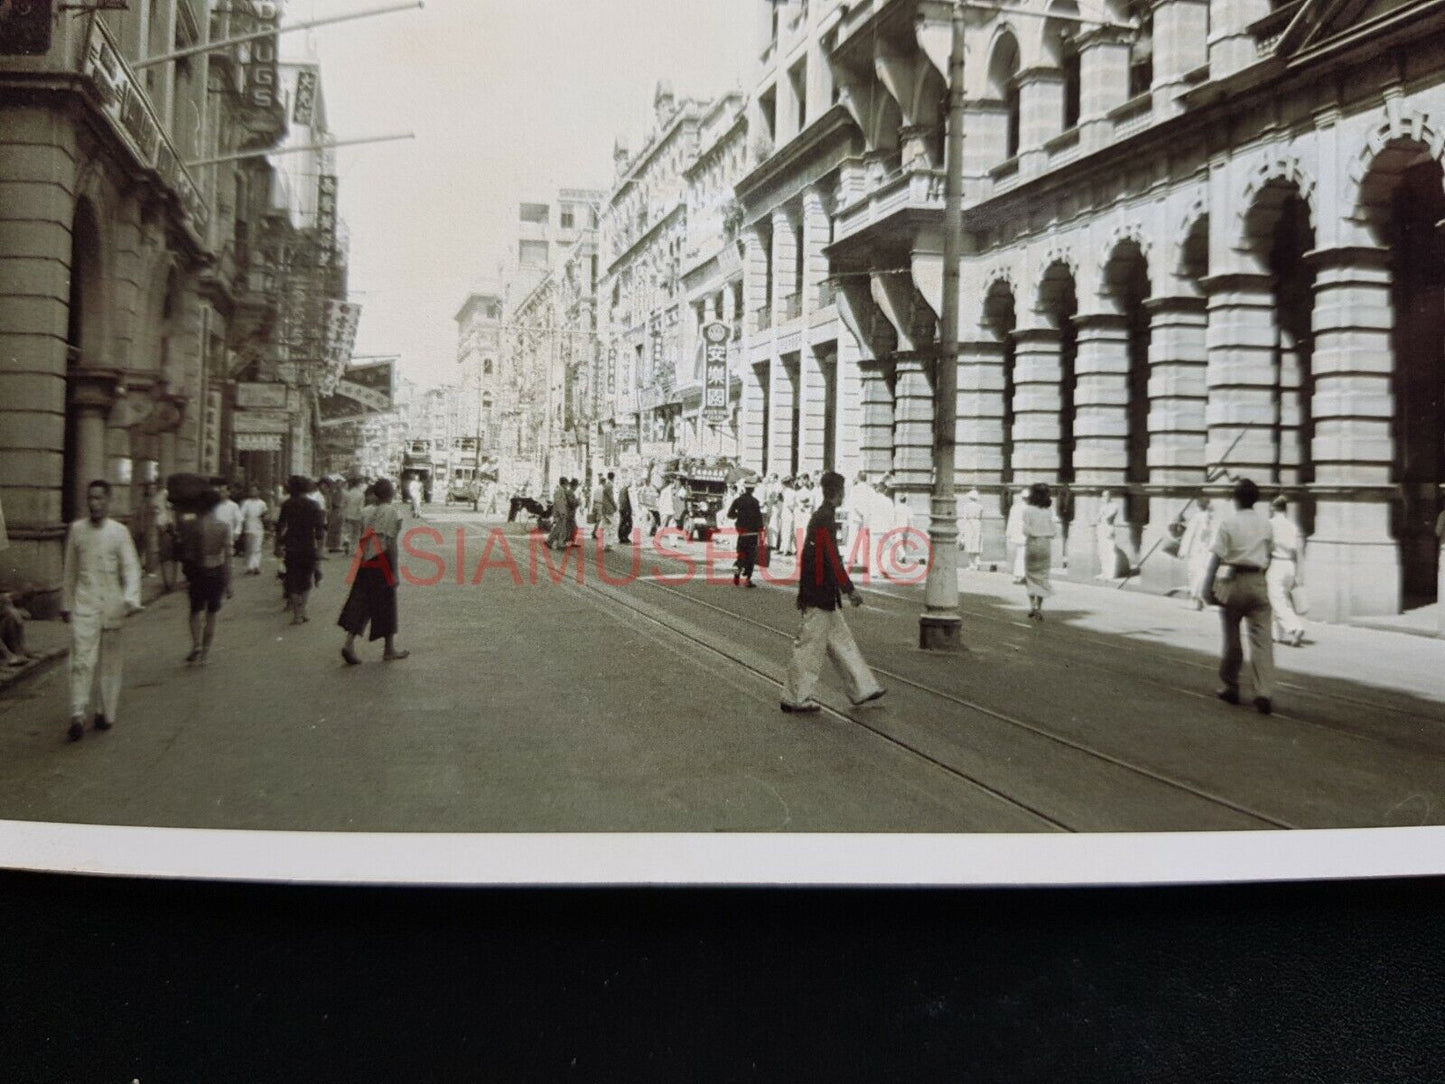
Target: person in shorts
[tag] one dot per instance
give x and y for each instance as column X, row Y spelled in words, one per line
column 208, row 550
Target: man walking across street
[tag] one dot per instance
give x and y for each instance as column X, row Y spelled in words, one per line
column 101, row 588
column 748, row 515
column 1236, row 581
column 822, row 583
column 207, row 552
column 604, row 511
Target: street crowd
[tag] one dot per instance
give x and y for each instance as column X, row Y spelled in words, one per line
column 1246, row 561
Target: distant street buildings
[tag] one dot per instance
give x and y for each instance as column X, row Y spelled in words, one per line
column 1198, row 237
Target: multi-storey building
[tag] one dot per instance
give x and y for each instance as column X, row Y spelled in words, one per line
column 1197, row 235
column 712, row 278
column 124, row 264
column 649, row 323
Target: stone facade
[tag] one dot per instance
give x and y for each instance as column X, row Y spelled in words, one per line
column 121, row 285
column 1202, row 240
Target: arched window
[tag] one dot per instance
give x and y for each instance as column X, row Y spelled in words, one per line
column 1141, row 49
column 1003, row 71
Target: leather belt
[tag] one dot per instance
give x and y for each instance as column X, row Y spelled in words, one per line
column 1246, row 568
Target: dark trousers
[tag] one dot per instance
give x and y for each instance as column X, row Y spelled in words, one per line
column 747, row 554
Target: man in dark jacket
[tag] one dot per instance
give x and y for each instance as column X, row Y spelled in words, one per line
column 822, row 583
column 748, row 515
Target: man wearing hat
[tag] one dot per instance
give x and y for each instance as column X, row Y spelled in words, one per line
column 748, row 514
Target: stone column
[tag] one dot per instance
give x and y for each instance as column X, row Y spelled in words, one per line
column 1181, row 45
column 1036, row 403
column 1231, row 45
column 817, row 235
column 1178, row 392
column 1352, row 564
column 1041, row 115
column 1101, row 427
column 985, row 142
column 757, row 291
column 92, row 396
column 785, row 255
column 980, row 432
column 875, row 440
column 848, row 440
column 813, row 417
column 1241, row 341
column 1103, row 83
column 913, row 431
column 781, row 393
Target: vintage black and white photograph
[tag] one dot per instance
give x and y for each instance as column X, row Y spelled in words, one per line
column 722, row 416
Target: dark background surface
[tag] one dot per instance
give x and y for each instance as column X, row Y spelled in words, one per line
column 117, row 980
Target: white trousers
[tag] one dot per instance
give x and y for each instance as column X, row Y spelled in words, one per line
column 95, row 654
column 826, row 632
column 605, row 529
column 1020, row 556
column 253, row 551
column 1280, row 579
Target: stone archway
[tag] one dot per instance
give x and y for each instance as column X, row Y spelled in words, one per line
column 1401, row 204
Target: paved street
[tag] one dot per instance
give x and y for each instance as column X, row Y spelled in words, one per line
column 653, row 706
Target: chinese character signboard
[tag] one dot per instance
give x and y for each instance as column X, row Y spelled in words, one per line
column 305, row 103
column 715, row 371
column 361, row 391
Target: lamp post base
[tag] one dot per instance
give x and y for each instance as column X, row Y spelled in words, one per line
column 938, row 632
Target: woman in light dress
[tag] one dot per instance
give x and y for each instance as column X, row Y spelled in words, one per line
column 1014, row 534
column 1038, row 531
column 1284, row 574
column 788, row 519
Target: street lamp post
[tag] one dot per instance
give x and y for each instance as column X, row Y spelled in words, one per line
column 940, row 625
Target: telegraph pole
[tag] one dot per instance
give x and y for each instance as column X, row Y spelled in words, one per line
column 940, row 626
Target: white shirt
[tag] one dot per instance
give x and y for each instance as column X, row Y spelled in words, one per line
column 1244, row 538
column 229, row 513
column 1286, row 538
column 102, row 572
column 252, row 510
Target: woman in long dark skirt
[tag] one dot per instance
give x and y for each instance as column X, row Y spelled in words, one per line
column 300, row 529
column 373, row 592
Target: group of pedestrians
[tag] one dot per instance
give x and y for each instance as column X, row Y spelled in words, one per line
column 103, row 570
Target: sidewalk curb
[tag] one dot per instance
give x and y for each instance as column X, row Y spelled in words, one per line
column 12, row 679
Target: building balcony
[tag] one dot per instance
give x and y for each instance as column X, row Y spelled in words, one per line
column 893, row 210
column 827, row 293
column 763, row 318
column 790, row 307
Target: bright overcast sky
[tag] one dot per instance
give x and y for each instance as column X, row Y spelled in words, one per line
column 509, row 100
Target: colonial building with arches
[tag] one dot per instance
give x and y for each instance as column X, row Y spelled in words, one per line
column 121, row 283
column 1202, row 240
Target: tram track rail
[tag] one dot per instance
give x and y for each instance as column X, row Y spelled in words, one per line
column 1074, row 745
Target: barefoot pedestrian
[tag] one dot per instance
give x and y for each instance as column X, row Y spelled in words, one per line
column 207, row 551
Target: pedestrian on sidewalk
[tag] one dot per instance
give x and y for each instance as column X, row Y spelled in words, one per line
column 413, row 496
column 334, row 501
column 1014, row 535
column 571, row 534
column 822, row 583
column 1195, row 547
column 300, row 530
column 788, row 519
column 1236, row 582
column 353, row 502
column 228, row 511
column 372, row 600
column 748, row 515
column 1104, row 521
column 557, row 535
column 1038, row 530
column 207, row 551
column 254, row 514
column 972, row 516
column 100, row 589
column 604, row 511
column 624, row 514
column 1285, row 576
column 13, row 650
